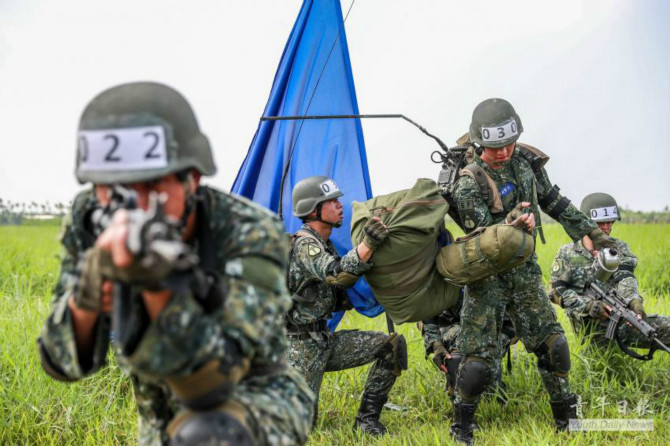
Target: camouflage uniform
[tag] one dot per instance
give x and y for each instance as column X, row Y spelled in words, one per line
column 313, row 349
column 569, row 275
column 519, row 292
column 446, row 328
column 249, row 255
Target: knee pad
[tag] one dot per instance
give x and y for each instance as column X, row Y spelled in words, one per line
column 210, row 428
column 473, row 378
column 452, row 369
column 559, row 355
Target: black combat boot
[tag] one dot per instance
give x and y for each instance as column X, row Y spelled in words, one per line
column 564, row 410
column 463, row 423
column 367, row 419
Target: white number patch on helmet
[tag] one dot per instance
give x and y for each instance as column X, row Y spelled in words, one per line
column 135, row 148
column 606, row 213
column 501, row 132
column 328, row 187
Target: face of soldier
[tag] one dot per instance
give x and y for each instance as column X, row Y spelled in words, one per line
column 331, row 212
column 606, row 227
column 169, row 184
column 496, row 158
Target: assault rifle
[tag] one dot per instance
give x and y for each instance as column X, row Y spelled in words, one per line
column 605, row 264
column 154, row 240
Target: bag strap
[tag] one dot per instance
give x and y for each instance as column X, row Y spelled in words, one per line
column 487, row 186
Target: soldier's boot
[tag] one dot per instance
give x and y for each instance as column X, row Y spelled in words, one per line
column 563, row 411
column 463, row 423
column 367, row 419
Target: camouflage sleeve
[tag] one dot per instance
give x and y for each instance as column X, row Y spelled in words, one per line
column 57, row 345
column 563, row 291
column 472, row 208
column 318, row 264
column 575, row 223
column 626, row 282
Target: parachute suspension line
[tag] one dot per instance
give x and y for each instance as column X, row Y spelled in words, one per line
column 295, row 140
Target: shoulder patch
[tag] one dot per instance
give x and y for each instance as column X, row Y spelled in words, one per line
column 313, row 248
column 558, row 265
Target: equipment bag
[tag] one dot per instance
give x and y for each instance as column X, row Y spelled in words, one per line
column 413, row 277
column 483, row 252
column 404, row 277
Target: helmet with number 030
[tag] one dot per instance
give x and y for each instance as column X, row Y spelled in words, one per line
column 311, row 191
column 495, row 124
column 138, row 132
column 600, row 207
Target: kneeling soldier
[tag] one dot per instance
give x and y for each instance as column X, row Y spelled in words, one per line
column 197, row 277
column 572, row 271
column 317, row 279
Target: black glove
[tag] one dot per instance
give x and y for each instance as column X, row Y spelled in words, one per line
column 638, row 307
column 375, row 233
column 601, row 240
column 439, row 355
column 597, row 310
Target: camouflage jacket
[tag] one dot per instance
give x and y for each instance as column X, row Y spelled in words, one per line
column 309, row 266
column 516, row 182
column 433, row 329
column 572, row 270
column 250, row 253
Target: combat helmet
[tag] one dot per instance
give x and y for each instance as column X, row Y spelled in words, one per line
column 600, row 207
column 311, row 191
column 138, row 132
column 495, row 124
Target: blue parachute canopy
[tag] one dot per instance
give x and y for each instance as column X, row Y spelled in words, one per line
column 314, row 78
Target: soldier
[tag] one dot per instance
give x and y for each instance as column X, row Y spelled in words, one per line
column 508, row 183
column 317, row 279
column 197, row 275
column 572, row 271
column 440, row 336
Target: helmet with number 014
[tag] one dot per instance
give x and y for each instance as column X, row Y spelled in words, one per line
column 495, row 124
column 138, row 132
column 311, row 191
column 600, row 207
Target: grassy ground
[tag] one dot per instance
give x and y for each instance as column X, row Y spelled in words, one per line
column 37, row 410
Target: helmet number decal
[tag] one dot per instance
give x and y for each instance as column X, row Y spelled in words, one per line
column 135, row 148
column 500, row 132
column 328, row 187
column 606, row 213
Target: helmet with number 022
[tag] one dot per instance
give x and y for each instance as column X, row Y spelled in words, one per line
column 495, row 124
column 139, row 132
column 600, row 207
column 311, row 191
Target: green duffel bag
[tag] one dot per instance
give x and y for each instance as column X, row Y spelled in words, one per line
column 404, row 277
column 483, row 252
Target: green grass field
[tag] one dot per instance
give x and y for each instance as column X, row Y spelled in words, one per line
column 34, row 409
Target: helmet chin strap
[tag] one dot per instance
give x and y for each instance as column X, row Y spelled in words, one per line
column 318, row 218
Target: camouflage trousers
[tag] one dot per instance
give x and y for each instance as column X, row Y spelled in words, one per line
column 595, row 332
column 343, row 350
column 450, row 334
column 520, row 293
column 277, row 409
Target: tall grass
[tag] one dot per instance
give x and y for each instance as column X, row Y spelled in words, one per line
column 34, row 409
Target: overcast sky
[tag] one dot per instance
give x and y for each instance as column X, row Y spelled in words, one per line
column 590, row 80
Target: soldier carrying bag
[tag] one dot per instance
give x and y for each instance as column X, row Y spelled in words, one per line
column 413, row 276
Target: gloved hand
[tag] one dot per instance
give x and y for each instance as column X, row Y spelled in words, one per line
column 601, row 240
column 342, row 279
column 88, row 291
column 638, row 307
column 517, row 212
column 375, row 233
column 598, row 310
column 439, row 355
